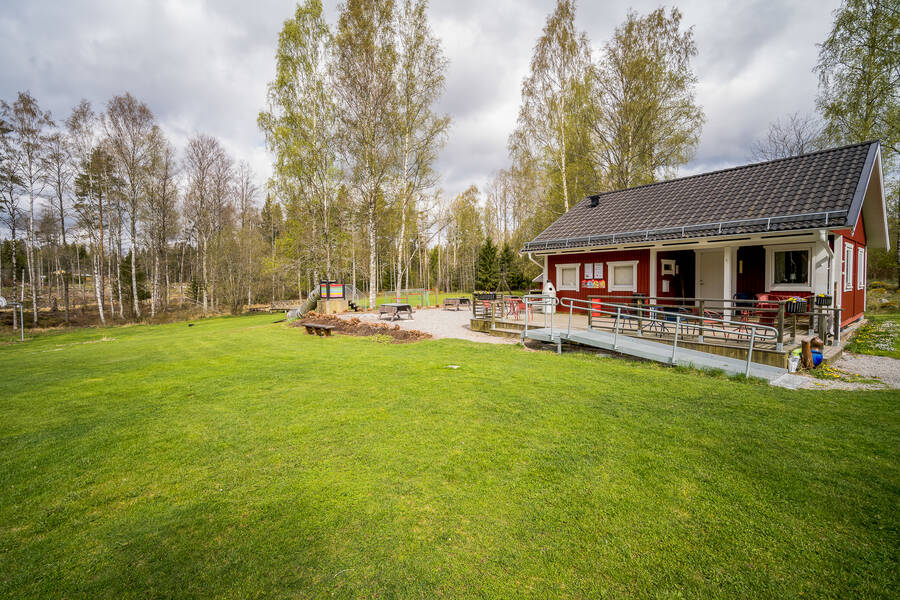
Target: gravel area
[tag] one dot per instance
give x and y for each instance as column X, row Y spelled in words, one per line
column 883, row 368
column 439, row 323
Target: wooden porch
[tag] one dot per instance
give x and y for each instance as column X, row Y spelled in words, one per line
column 728, row 327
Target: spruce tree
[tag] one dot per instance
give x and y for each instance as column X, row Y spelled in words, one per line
column 487, row 272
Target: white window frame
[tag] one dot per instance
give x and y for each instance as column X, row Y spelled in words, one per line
column 667, row 266
column 788, row 287
column 860, row 268
column 611, row 269
column 848, row 267
column 568, row 288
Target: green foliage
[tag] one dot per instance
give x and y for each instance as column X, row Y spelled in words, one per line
column 553, row 99
column 487, row 269
column 647, row 122
column 141, row 277
column 510, row 267
column 859, row 74
column 229, row 460
column 859, row 94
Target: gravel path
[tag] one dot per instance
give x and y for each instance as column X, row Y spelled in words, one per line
column 883, row 368
column 439, row 323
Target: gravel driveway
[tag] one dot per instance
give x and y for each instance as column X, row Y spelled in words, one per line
column 439, row 323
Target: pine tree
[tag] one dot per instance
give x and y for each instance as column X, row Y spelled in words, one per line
column 487, row 271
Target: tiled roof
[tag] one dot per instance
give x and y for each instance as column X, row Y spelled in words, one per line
column 802, row 192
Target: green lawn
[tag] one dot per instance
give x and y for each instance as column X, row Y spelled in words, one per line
column 880, row 336
column 240, row 458
column 415, row 299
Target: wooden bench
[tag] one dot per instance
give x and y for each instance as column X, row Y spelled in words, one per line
column 394, row 310
column 451, row 303
column 319, row 329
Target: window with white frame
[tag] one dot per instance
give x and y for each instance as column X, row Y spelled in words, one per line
column 860, row 268
column 848, row 267
column 623, row 276
column 567, row 277
column 791, row 267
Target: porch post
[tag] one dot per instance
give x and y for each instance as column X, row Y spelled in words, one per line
column 653, row 276
column 728, row 262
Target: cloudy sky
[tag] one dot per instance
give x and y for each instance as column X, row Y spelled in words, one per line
column 202, row 66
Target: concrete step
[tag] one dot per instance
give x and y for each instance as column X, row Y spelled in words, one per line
column 504, row 332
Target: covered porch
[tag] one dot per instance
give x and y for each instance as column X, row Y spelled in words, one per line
column 769, row 329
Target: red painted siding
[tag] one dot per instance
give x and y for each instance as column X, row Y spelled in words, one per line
column 680, row 285
column 643, row 271
column 853, row 301
column 751, row 267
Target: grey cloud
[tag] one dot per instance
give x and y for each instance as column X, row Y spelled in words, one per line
column 203, row 66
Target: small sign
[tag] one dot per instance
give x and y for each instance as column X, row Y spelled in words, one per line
column 598, row 270
column 588, row 270
column 593, row 283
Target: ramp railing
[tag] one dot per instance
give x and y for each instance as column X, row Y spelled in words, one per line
column 654, row 316
column 547, row 305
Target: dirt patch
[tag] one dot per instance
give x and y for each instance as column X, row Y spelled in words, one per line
column 354, row 326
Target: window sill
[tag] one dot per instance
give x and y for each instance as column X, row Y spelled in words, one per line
column 790, row 287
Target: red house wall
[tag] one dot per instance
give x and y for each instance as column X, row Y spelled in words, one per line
column 852, row 302
column 643, row 271
column 680, row 285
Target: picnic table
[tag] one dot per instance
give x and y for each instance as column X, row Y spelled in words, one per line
column 455, row 303
column 394, row 310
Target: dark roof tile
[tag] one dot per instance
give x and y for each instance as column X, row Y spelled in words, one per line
column 787, row 188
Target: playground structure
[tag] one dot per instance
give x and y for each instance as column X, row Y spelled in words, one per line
column 332, row 297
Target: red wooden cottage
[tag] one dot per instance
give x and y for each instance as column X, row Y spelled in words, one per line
column 789, row 227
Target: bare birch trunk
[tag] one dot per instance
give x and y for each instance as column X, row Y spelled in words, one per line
column 134, row 290
column 205, row 282
column 373, row 282
column 98, row 283
column 29, row 256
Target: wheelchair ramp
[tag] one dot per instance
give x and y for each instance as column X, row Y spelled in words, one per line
column 655, row 351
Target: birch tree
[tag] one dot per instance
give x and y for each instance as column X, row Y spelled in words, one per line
column 203, row 166
column 301, row 122
column 130, row 128
column 81, row 127
column 9, row 198
column 363, row 82
column 647, row 122
column 29, row 124
column 58, row 171
column 560, row 62
column 421, row 69
column 162, row 195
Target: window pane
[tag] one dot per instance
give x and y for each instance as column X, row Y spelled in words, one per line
column 569, row 276
column 623, row 275
column 792, row 266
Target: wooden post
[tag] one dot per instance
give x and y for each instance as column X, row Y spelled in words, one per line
column 806, row 355
column 702, row 310
column 836, row 315
column 793, row 327
column 780, row 344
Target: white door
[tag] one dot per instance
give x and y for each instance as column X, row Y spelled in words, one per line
column 710, row 274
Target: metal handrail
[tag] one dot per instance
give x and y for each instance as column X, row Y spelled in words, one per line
column 545, row 300
column 653, row 313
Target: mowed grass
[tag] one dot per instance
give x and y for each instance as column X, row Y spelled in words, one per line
column 244, row 459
